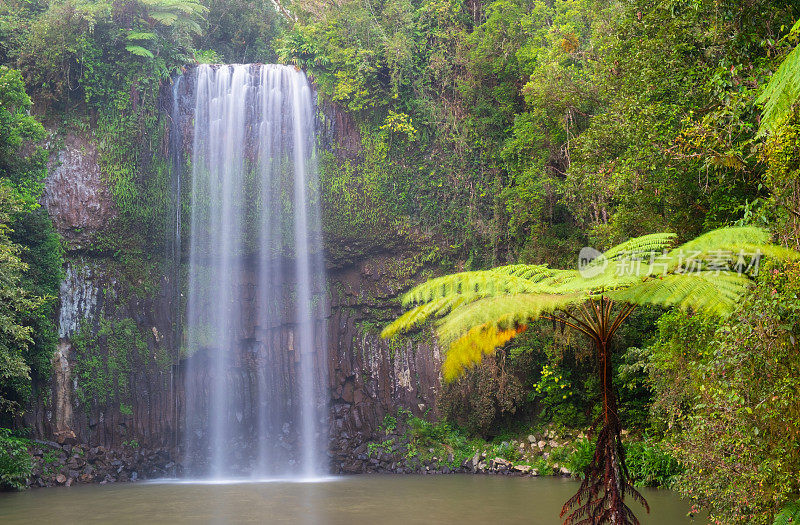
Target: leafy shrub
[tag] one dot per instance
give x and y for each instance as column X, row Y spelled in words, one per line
column 733, row 399
column 15, row 462
column 650, row 465
column 507, row 451
column 578, row 461
column 389, row 424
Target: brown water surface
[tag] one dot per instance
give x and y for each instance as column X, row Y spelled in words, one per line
column 355, row 500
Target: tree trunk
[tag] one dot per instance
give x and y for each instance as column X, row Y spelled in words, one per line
column 600, row 498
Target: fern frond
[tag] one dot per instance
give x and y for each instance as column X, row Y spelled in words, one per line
column 783, row 89
column 790, row 513
column 418, row 315
column 531, row 272
column 479, row 283
column 504, row 312
column 481, row 310
column 726, row 239
column 139, row 51
column 646, row 244
column 140, row 35
column 165, row 18
column 709, row 292
column 470, row 348
column 184, row 14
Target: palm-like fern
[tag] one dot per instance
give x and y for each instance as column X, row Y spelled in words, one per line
column 790, row 513
column 183, row 16
column 783, row 90
column 482, row 310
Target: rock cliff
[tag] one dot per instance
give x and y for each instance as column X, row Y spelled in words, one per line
column 118, row 373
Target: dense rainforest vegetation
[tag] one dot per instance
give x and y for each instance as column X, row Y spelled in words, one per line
column 511, row 131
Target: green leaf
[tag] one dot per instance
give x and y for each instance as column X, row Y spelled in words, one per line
column 140, row 51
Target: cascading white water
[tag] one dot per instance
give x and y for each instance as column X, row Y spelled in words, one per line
column 255, row 373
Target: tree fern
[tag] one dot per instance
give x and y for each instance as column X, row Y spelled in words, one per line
column 139, row 51
column 790, row 513
column 783, row 90
column 140, row 35
column 185, row 15
column 480, row 311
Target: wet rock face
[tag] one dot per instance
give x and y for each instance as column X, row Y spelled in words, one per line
column 75, row 194
column 79, row 294
column 367, row 377
column 338, row 131
column 117, row 385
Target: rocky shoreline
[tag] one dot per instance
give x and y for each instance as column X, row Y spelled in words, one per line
column 394, row 451
column 538, row 454
column 65, row 464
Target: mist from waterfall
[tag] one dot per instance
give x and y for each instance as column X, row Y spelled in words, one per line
column 255, row 347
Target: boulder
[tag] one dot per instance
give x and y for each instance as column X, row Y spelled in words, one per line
column 500, row 462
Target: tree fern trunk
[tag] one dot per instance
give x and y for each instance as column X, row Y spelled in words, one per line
column 601, row 496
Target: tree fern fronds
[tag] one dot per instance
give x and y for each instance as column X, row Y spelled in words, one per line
column 139, row 51
column 469, row 349
column 773, row 251
column 709, row 292
column 503, row 313
column 646, row 244
column 420, row 314
column 184, row 14
column 531, row 272
column 140, row 35
column 723, row 238
column 790, row 513
column 481, row 311
column 783, row 89
column 483, row 283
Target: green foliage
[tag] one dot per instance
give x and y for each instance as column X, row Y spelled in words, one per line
column 389, row 424
column 726, row 396
column 240, row 31
column 105, row 358
column 650, row 465
column 783, row 90
column 100, row 65
column 555, row 393
column 43, row 253
column 781, row 154
column 578, row 459
column 15, row 461
column 30, row 253
column 483, row 310
column 788, row 514
column 424, row 440
column 394, row 66
column 24, row 170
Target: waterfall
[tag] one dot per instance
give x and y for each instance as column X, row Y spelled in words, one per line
column 255, row 345
column 174, row 240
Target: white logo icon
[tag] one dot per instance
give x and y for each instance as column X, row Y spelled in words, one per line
column 591, row 262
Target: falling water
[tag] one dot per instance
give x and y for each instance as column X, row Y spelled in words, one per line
column 174, row 241
column 255, row 338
